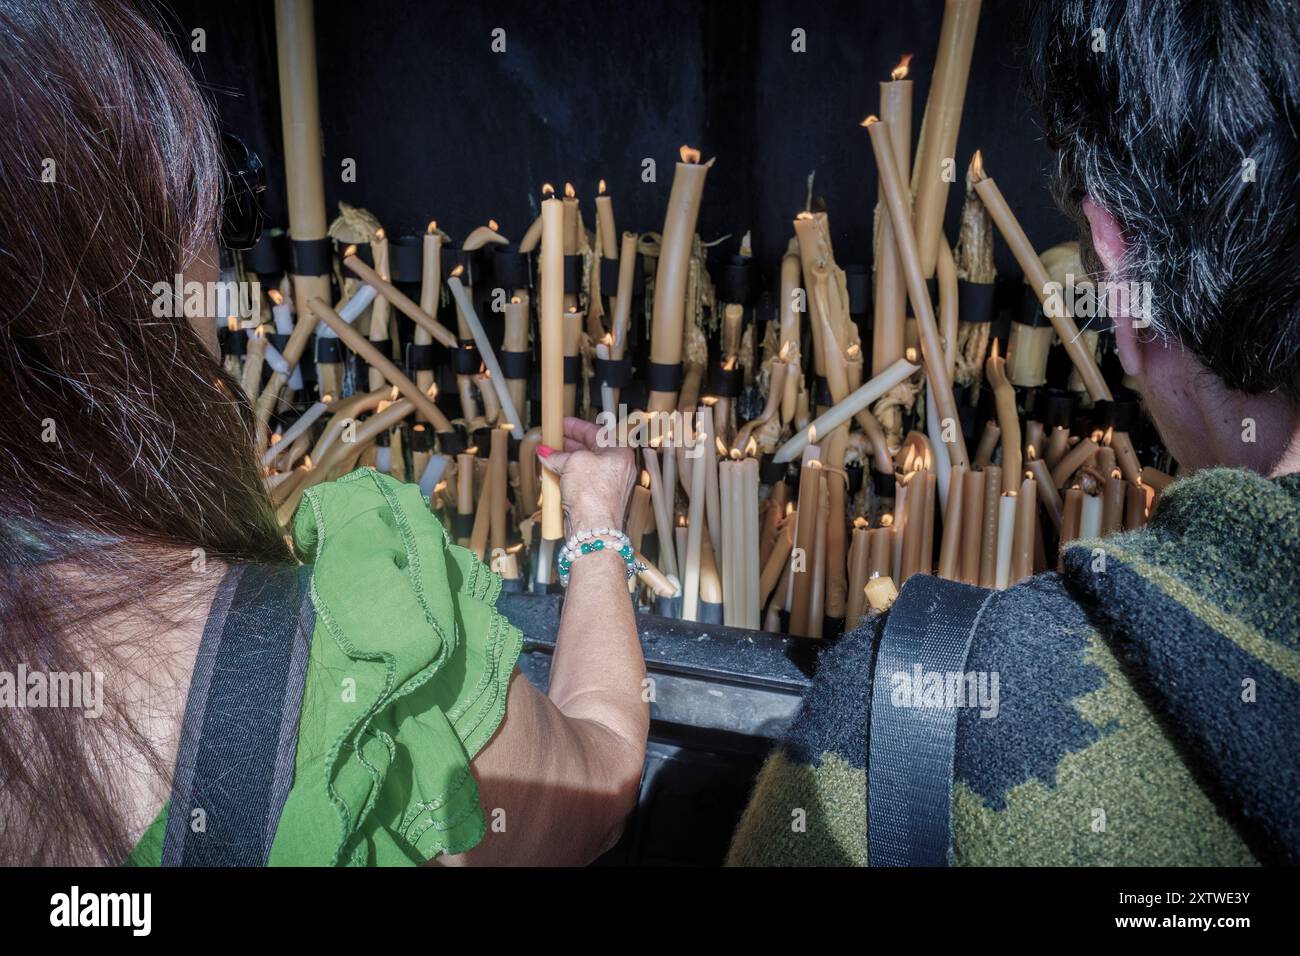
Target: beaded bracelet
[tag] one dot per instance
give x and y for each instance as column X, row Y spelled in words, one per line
column 591, row 540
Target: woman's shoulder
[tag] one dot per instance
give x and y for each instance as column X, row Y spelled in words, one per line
column 405, row 681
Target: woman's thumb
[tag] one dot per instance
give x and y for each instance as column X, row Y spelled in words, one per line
column 552, row 459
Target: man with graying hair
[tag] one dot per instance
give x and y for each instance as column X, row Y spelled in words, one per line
column 1149, row 694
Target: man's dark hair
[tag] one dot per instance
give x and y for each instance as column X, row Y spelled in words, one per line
column 1182, row 119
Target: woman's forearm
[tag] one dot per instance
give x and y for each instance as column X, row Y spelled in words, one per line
column 598, row 671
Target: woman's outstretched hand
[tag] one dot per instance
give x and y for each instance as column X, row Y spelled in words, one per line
column 594, row 481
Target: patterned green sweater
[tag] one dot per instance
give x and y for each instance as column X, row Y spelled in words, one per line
column 1148, row 706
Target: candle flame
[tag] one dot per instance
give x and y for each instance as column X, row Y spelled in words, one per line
column 645, row 478
column 232, row 323
column 471, row 450
column 751, row 447
column 805, row 214
column 515, row 549
column 1031, row 452
column 548, row 190
column 853, row 352
column 1116, row 473
column 708, row 401
column 379, row 234
column 392, row 396
column 734, row 454
column 608, row 339
column 871, row 120
column 1109, row 436
column 326, row 398
column 440, row 487
column 784, row 354
column 458, row 271
column 789, row 508
column 601, row 188
column 275, row 297
column 349, row 252
column 275, row 439
column 419, row 427
column 900, row 72
column 976, row 172
column 721, row 448
column 860, row 522
column 569, row 192
column 492, row 224
column 994, row 354
column 432, row 227
column 730, row 363
column 689, row 155
column 506, row 427
column 886, row 520
column 306, row 462
column 910, row 355
column 515, row 300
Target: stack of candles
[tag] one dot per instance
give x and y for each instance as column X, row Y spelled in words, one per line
column 802, row 518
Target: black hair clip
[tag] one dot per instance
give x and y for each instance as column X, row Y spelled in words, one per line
column 244, row 182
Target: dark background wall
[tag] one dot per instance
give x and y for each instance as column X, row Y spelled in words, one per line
column 441, row 127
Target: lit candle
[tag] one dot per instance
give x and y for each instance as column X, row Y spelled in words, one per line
column 1047, row 493
column 485, row 350
column 608, row 237
column 694, row 538
column 1090, row 517
column 430, row 287
column 1004, row 397
column 891, row 294
column 305, row 421
column 397, row 298
column 379, row 315
column 992, row 524
column 1072, row 461
column 943, row 109
column 1006, row 542
column 465, row 486
column 972, row 526
column 1112, row 503
column 671, row 275
column 638, row 514
column 357, row 342
column 663, row 512
column 950, row 546
column 936, row 370
column 801, row 578
column 1038, row 280
column 859, row 552
column 852, row 405
column 552, row 331
column 1026, row 531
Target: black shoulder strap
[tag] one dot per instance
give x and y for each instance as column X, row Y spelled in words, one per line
column 925, row 645
column 239, row 737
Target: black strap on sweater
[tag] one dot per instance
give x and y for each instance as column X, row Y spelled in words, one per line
column 910, row 764
column 239, row 738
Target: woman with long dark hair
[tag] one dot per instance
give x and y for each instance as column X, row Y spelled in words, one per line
column 138, row 545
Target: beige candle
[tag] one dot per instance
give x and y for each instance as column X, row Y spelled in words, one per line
column 1057, row 445
column 816, row 612
column 989, row 535
column 995, row 369
column 465, row 485
column 516, row 340
column 1006, row 540
column 778, row 560
column 859, row 551
column 950, row 546
column 1038, row 279
column 891, row 293
column 397, row 298
column 1026, row 531
column 1125, row 457
column 659, row 494
column 529, row 490
column 972, row 526
column 729, row 555
column 1071, row 513
column 1047, row 493
column 1112, row 504
column 938, row 140
column 381, row 311
column 357, row 342
column 1135, row 505
column 1072, row 461
column 1090, row 517
column 853, row 404
column 749, row 506
column 605, row 223
column 430, row 287
column 674, row 265
column 801, row 583
column 932, row 354
column 638, row 514
column 552, row 332
column 694, row 537
column 789, row 328
column 925, row 564
column 880, row 557
column 499, row 465
column 988, row 442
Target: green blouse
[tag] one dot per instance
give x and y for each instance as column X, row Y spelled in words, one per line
column 406, row 681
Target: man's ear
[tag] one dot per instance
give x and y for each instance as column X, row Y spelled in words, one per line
column 1109, row 244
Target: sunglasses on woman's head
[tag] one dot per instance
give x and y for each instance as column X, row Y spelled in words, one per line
column 244, row 182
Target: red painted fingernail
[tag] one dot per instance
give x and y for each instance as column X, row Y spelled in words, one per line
column 545, row 451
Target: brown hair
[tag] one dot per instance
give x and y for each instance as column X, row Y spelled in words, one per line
column 123, row 444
